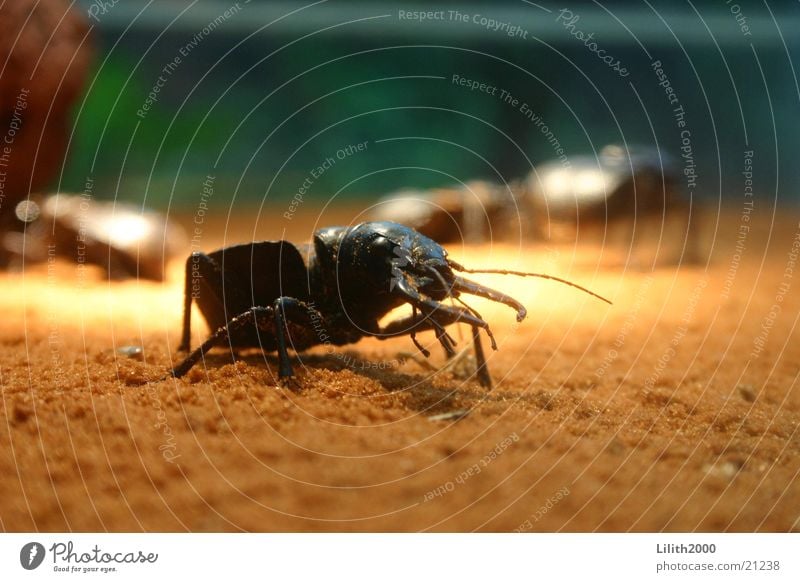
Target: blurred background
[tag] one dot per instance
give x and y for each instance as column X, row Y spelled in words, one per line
column 263, row 92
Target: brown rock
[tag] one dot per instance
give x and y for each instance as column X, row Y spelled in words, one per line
column 44, row 59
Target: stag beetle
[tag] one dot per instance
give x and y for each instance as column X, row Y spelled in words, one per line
column 273, row 295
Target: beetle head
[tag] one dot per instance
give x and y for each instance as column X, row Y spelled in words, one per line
column 422, row 261
column 372, row 258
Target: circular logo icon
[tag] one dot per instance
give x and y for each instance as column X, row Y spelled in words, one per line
column 31, row 555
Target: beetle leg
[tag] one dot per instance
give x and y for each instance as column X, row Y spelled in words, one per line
column 292, row 307
column 425, row 322
column 419, row 346
column 438, row 313
column 479, row 316
column 416, row 322
column 482, row 370
column 448, row 343
column 219, row 337
column 202, row 270
column 203, row 262
column 186, row 333
column 284, row 309
column 421, row 322
column 435, row 309
column 467, row 286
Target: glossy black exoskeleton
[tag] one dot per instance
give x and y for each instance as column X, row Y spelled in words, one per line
column 274, row 296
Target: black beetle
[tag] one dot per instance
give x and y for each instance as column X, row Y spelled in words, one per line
column 273, row 295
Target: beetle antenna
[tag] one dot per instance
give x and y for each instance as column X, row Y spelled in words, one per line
column 445, row 285
column 458, row 267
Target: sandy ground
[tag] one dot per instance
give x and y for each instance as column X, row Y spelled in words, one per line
column 675, row 409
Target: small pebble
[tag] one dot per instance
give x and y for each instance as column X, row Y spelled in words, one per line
column 133, row 352
column 746, row 392
column 452, row 415
column 725, row 469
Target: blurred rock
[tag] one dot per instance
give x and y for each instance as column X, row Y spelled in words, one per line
column 44, row 60
column 127, row 241
column 45, row 54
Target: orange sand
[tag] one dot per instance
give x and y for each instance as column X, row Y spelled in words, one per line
column 584, row 431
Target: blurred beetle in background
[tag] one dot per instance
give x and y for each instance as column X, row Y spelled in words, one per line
column 632, row 189
column 473, row 212
column 624, row 190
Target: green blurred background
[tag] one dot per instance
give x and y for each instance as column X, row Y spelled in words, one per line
column 267, row 93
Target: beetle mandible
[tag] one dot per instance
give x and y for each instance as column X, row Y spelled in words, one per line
column 275, row 296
